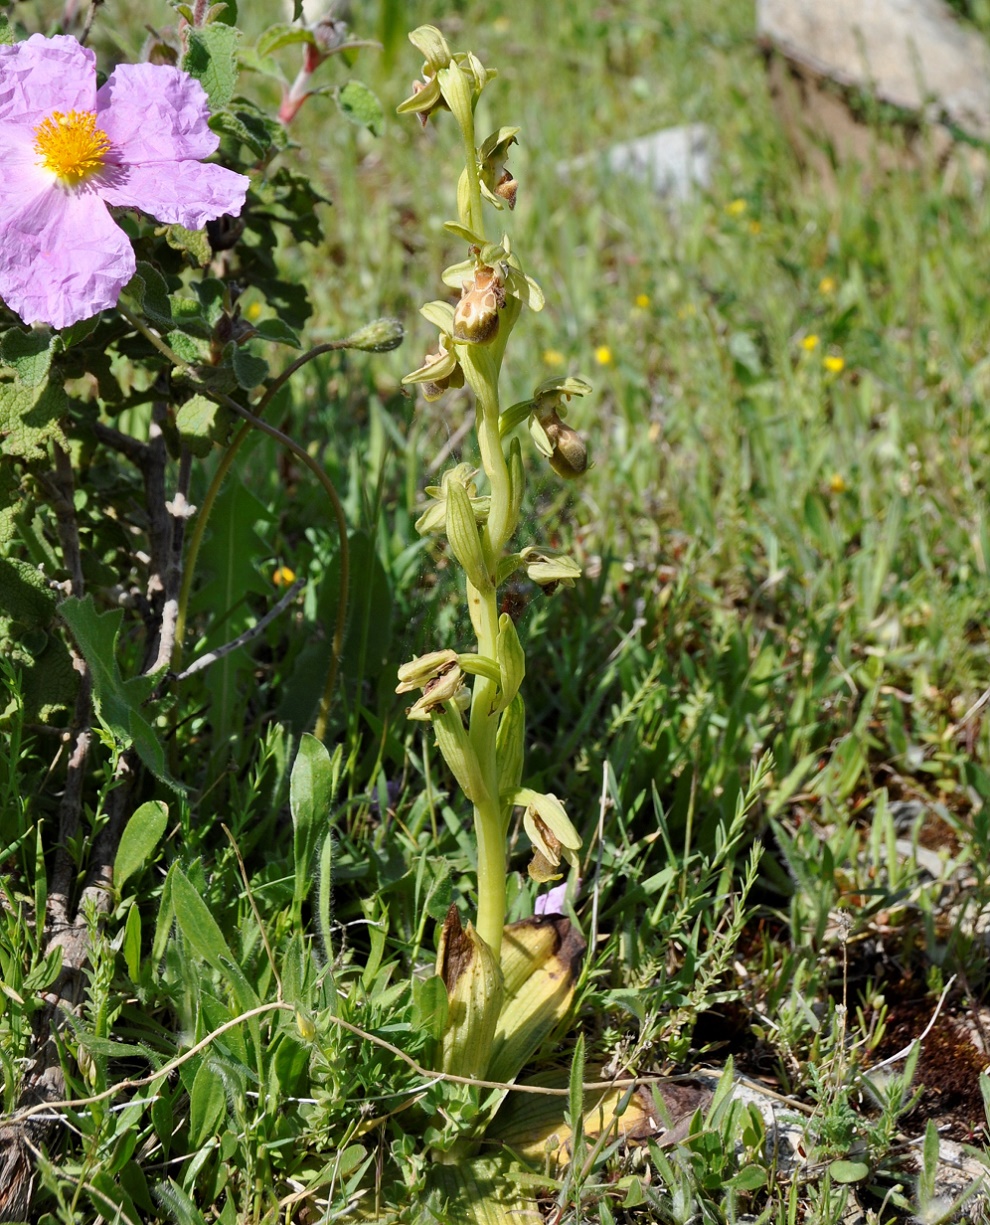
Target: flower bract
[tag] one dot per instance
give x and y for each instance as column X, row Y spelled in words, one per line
column 69, row 150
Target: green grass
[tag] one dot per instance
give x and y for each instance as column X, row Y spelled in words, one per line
column 781, row 559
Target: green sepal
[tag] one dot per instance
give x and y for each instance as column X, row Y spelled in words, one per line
column 456, row 274
column 440, row 314
column 432, row 45
column 442, row 368
column 425, row 100
column 539, row 436
column 455, row 90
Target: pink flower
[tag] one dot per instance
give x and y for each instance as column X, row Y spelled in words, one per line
column 69, row 149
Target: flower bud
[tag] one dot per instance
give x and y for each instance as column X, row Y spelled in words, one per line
column 476, row 314
column 569, row 458
column 307, row 1030
column 426, row 96
column 380, row 336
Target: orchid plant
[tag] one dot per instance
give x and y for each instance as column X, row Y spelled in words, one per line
column 480, row 729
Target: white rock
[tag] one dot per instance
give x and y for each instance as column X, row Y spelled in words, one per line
column 911, row 53
column 674, row 161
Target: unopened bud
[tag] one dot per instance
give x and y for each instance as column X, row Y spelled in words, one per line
column 476, row 314
column 570, row 454
column 381, row 336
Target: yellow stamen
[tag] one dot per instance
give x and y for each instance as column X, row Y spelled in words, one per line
column 71, row 145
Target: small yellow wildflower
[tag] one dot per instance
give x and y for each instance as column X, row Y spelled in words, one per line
column 687, row 311
column 809, row 343
column 283, row 576
column 826, row 285
column 603, row 355
column 755, row 227
column 837, row 483
column 642, row 300
column 253, row 312
column 736, row 208
column 833, row 363
column 501, row 25
column 553, row 357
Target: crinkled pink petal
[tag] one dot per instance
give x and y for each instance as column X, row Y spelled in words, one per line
column 41, row 75
column 62, row 258
column 154, row 113
column 180, row 193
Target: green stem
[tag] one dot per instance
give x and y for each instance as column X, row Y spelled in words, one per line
column 482, row 376
column 196, row 539
column 475, row 219
column 481, row 373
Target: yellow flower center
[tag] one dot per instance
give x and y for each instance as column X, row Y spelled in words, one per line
column 71, row 145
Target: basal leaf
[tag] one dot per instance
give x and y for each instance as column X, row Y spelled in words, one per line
column 118, row 703
column 207, row 1103
column 311, row 788
column 140, row 838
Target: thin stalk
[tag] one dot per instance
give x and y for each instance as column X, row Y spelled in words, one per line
column 337, row 646
column 219, row 476
column 196, row 539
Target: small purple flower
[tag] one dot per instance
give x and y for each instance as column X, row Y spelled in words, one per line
column 552, row 902
column 69, row 150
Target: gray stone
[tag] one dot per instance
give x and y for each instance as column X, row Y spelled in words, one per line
column 674, row 162
column 913, row 54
